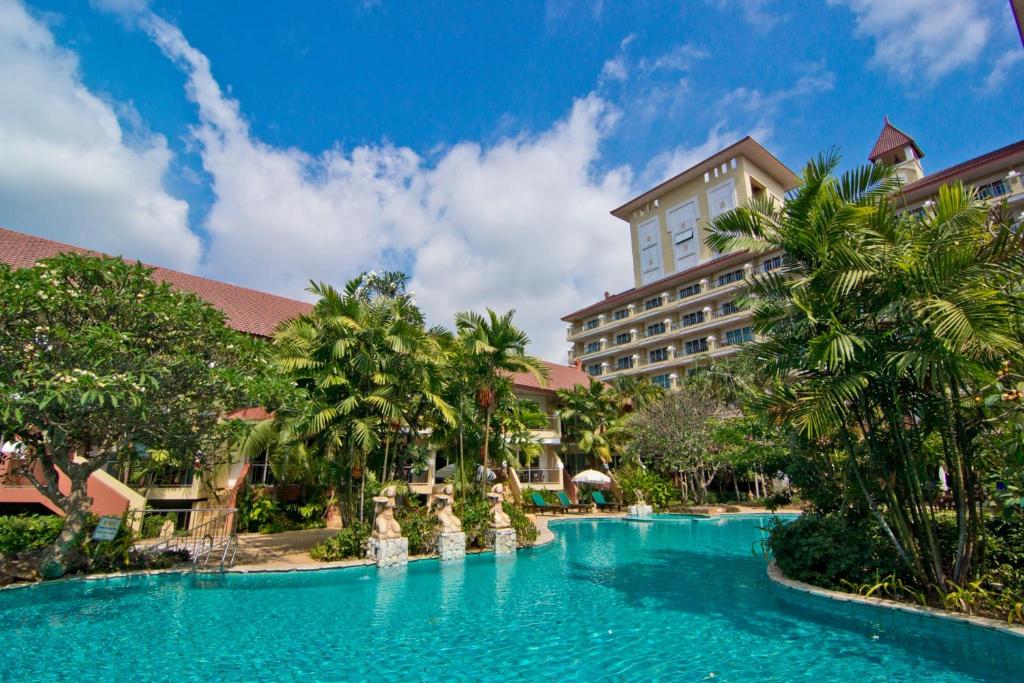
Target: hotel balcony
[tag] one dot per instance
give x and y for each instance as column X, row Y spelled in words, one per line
column 637, row 313
column 707, row 319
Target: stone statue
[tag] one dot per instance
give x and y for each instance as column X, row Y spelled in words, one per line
column 499, row 520
column 167, row 529
column 443, row 507
column 385, row 526
column 640, row 498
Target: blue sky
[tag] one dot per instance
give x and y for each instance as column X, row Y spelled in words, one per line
column 478, row 146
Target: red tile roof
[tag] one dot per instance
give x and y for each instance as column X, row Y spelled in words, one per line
column 972, row 168
column 249, row 414
column 561, row 377
column 892, row 138
column 247, row 310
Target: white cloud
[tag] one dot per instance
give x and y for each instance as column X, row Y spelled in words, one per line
column 915, row 38
column 763, row 15
column 1003, row 68
column 69, row 171
column 520, row 224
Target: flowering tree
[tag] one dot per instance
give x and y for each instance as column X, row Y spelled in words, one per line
column 100, row 362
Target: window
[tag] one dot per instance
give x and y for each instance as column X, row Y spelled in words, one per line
column 593, row 347
column 656, row 328
column 591, row 324
column 623, row 338
column 729, row 308
column 734, row 276
column 996, row 189
column 692, row 290
column 694, row 318
column 663, row 381
column 771, row 264
column 652, row 303
column 594, row 370
column 738, row 336
column 697, row 345
column 624, row 363
column 259, row 471
column 620, row 314
column 657, row 355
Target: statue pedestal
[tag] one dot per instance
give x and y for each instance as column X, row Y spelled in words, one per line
column 504, row 541
column 640, row 510
column 391, row 552
column 451, row 546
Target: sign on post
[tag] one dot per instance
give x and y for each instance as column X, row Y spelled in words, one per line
column 106, row 529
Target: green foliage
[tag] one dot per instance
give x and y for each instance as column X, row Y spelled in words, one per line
column 656, row 489
column 881, row 336
column 831, row 551
column 349, row 543
column 152, row 524
column 526, row 532
column 421, row 527
column 100, row 362
column 475, row 516
column 23, row 533
column 590, row 418
column 260, row 510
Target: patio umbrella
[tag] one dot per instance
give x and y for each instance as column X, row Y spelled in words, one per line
column 592, row 477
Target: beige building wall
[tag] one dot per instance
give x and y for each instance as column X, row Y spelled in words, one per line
column 683, row 306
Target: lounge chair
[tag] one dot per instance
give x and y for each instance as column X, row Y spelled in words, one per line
column 569, row 505
column 603, row 504
column 542, row 506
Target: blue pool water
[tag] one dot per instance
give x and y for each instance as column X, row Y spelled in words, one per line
column 608, row 600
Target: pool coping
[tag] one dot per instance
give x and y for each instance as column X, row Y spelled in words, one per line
column 775, row 574
column 545, row 536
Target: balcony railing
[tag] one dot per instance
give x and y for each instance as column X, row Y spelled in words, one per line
column 641, row 311
column 540, row 475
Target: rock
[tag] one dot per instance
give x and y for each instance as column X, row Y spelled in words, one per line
column 451, row 545
column 388, row 552
column 504, row 541
column 14, row 569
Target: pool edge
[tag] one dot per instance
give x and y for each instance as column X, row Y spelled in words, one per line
column 775, row 575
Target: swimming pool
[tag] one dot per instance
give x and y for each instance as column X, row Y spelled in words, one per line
column 607, row 600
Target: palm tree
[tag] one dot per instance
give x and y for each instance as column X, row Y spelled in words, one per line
column 495, row 350
column 878, row 331
column 591, row 418
column 365, row 369
column 632, row 392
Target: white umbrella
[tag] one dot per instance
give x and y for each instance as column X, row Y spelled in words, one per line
column 592, row 477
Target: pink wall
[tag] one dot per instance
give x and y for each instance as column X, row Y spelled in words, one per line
column 106, row 500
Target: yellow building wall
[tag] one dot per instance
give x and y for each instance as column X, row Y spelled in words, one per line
column 697, row 189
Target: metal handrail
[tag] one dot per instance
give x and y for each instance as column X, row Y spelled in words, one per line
column 203, row 538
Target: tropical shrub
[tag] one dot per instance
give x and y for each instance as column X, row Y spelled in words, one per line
column 348, row 543
column 23, row 533
column 475, row 516
column 831, row 551
column 656, row 489
column 526, row 532
column 421, row 527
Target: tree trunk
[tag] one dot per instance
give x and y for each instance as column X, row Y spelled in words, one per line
column 76, row 511
column 736, row 485
column 487, row 443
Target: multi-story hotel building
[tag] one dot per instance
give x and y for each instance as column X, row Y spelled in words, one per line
column 683, row 306
column 683, row 303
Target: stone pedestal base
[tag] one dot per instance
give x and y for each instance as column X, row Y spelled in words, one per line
column 640, row 510
column 504, row 541
column 451, row 546
column 392, row 552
